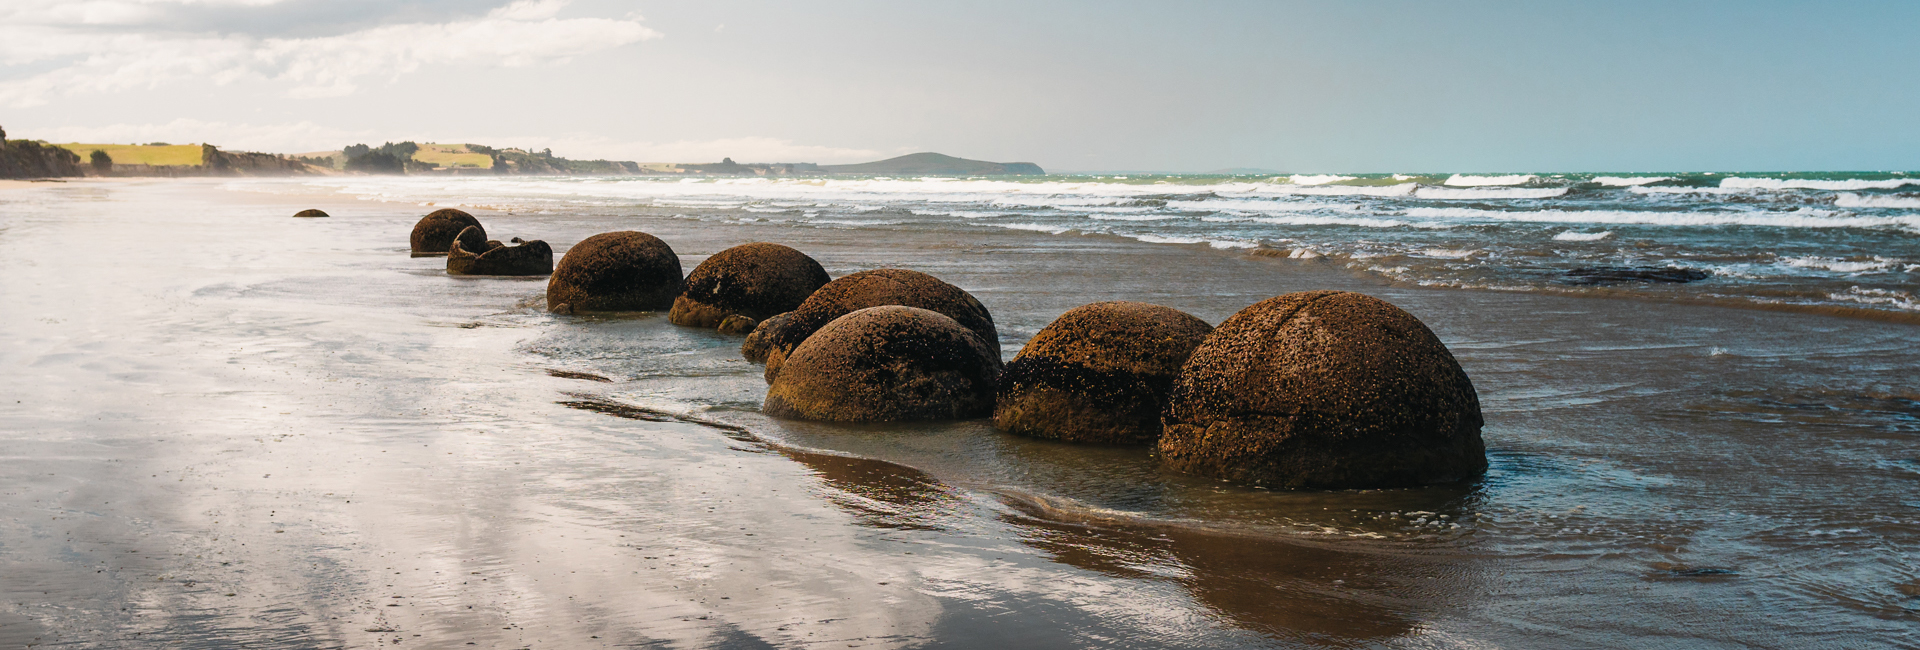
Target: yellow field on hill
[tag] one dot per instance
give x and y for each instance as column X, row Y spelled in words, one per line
column 140, row 154
column 451, row 155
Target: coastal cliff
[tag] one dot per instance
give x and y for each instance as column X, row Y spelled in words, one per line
column 35, row 159
column 177, row 160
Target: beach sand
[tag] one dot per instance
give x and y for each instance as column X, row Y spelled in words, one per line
column 224, row 426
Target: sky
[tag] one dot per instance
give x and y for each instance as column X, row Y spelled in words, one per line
column 1351, row 86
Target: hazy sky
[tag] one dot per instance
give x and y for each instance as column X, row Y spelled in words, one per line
column 1293, row 86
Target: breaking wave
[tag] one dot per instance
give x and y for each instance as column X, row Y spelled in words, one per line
column 1463, row 180
column 1478, row 194
column 1812, row 184
column 1851, row 200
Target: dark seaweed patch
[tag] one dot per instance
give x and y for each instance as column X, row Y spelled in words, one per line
column 1648, row 274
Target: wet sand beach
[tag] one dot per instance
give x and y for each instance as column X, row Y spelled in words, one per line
column 225, row 427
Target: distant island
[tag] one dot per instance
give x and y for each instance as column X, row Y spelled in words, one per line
column 933, row 163
column 36, row 159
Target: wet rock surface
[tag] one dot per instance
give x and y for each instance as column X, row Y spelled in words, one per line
column 755, row 280
column 760, row 340
column 887, row 364
column 434, row 234
column 873, row 289
column 1650, row 274
column 473, row 239
column 1324, row 389
column 616, row 271
column 494, row 258
column 1099, row 373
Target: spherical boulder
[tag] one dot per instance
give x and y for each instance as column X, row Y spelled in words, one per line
column 433, row 235
column 760, row 340
column 753, row 280
column 737, row 324
column 887, row 364
column 1099, row 373
column 873, row 289
column 616, row 271
column 494, row 258
column 1324, row 389
column 311, row 212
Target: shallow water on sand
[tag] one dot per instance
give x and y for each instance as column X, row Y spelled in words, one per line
column 225, row 426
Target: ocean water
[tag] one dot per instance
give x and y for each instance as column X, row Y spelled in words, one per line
column 226, row 427
column 1838, row 242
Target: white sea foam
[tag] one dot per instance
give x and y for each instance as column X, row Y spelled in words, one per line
column 1051, row 230
column 852, row 222
column 1870, row 296
column 963, row 214
column 1809, row 184
column 1265, row 189
column 1317, row 179
column 1629, row 181
column 1875, row 264
column 1463, row 180
column 1851, row 200
column 1449, row 253
column 1159, row 239
column 1573, row 235
column 1688, row 190
column 1246, row 205
column 1133, row 217
column 1489, row 193
column 1215, row 243
column 1804, row 218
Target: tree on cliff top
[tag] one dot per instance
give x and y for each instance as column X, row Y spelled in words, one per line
column 102, row 163
column 388, row 158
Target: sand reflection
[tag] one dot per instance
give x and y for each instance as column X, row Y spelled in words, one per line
column 1298, row 590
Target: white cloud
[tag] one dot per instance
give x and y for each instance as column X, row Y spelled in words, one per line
column 299, row 137
column 303, row 137
column 524, row 33
column 100, row 12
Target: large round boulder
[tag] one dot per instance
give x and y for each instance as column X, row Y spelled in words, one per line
column 494, row 258
column 873, row 289
column 615, row 271
column 1099, row 373
column 754, row 281
column 1324, row 389
column 887, row 364
column 434, row 234
column 760, row 340
column 311, row 213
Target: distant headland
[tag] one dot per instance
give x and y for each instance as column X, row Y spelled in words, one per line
column 40, row 159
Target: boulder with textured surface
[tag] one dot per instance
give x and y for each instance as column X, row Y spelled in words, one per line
column 616, row 271
column 434, row 234
column 760, row 340
column 1099, row 373
column 873, row 289
column 494, row 258
column 310, row 213
column 755, row 280
column 1324, row 389
column 887, row 364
